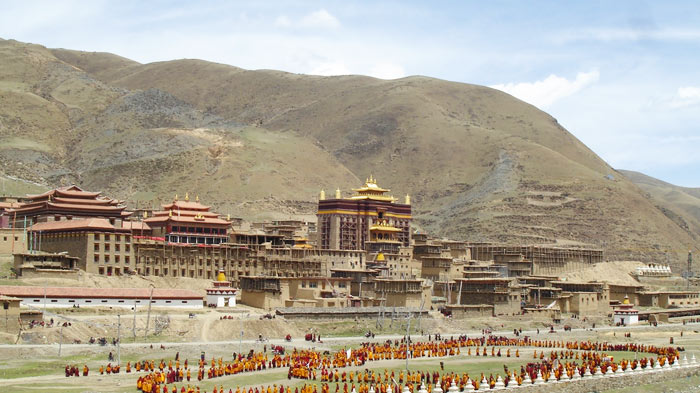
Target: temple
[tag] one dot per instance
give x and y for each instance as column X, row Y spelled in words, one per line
column 344, row 223
column 68, row 203
column 189, row 223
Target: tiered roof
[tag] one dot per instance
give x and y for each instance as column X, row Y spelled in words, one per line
column 88, row 224
column 185, row 212
column 370, row 190
column 72, row 201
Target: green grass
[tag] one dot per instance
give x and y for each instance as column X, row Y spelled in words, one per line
column 10, row 370
column 687, row 384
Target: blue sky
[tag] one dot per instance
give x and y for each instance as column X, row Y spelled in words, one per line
column 622, row 76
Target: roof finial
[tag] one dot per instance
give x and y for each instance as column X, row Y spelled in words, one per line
column 170, row 213
column 322, row 196
column 408, row 199
column 196, row 198
column 175, row 197
column 187, row 197
column 337, row 193
column 145, row 214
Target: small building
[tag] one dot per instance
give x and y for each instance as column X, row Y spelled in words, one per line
column 10, row 316
column 46, row 264
column 403, row 292
column 625, row 314
column 268, row 292
column 501, row 293
column 63, row 297
column 222, row 294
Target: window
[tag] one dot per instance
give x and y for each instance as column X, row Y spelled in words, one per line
column 117, row 247
column 104, row 301
column 88, row 301
column 106, row 236
column 168, row 301
column 121, row 301
column 106, row 247
column 36, row 300
column 71, row 301
column 184, row 301
column 127, row 248
column 54, row 300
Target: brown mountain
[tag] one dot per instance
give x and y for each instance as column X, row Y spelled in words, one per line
column 479, row 164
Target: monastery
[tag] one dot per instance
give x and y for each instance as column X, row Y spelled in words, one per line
column 361, row 252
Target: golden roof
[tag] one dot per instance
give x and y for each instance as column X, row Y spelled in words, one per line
column 370, row 185
column 370, row 190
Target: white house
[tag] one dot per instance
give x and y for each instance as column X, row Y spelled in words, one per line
column 63, row 297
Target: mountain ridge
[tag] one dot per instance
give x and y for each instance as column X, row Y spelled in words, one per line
column 479, row 164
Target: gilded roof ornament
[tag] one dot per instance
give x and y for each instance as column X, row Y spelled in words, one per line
column 187, row 197
column 322, row 196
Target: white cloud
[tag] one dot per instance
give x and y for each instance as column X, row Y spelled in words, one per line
column 331, row 68
column 628, row 34
column 320, row 19
column 283, row 21
column 387, row 71
column 544, row 93
column 686, row 96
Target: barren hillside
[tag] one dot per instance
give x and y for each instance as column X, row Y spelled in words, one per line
column 479, row 164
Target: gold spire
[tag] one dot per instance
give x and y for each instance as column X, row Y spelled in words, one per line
column 196, row 198
column 170, row 213
column 337, row 193
column 176, row 197
column 228, row 217
column 408, row 199
column 187, row 197
column 322, row 196
column 145, row 214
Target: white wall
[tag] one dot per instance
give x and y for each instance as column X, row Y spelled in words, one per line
column 101, row 302
column 222, row 300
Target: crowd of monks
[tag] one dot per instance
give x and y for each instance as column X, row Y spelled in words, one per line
column 323, row 367
column 74, row 371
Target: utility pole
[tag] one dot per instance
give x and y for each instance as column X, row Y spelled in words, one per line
column 420, row 316
column 148, row 317
column 60, row 340
column 119, row 339
column 133, row 328
column 690, row 265
column 408, row 332
column 44, row 297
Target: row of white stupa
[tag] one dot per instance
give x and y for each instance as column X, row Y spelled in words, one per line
column 500, row 384
column 653, row 270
